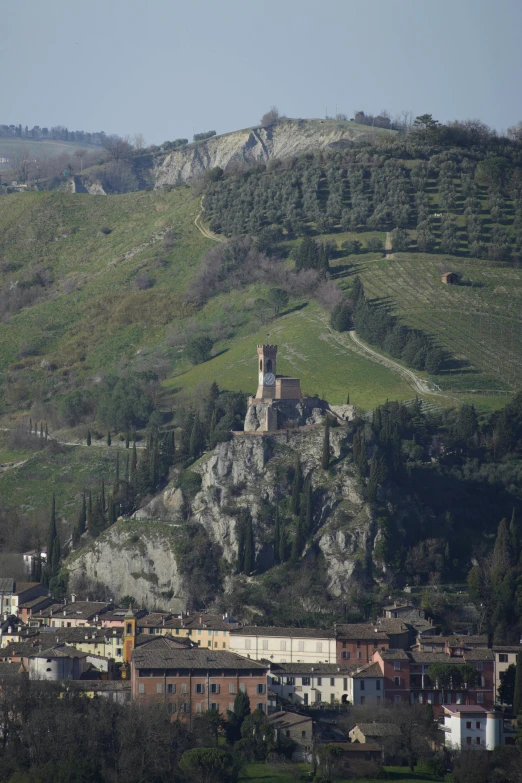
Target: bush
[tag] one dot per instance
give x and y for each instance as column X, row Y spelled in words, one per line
column 198, row 349
column 375, row 245
column 351, row 246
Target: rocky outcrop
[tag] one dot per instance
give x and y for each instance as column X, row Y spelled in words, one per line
column 254, row 145
column 135, row 559
column 292, row 413
column 242, row 477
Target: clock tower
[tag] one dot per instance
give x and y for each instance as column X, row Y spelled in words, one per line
column 266, row 355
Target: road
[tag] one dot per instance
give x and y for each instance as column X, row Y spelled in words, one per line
column 198, row 222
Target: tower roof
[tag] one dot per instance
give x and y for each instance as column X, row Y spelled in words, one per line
column 129, row 614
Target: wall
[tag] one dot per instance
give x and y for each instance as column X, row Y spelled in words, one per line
column 270, row 648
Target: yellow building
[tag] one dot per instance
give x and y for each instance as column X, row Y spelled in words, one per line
column 207, row 630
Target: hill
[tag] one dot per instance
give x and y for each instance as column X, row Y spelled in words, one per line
column 287, row 138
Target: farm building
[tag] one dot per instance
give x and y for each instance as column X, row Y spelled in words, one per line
column 450, row 278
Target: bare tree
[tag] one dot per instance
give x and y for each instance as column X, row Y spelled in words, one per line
column 139, row 141
column 80, row 154
column 270, row 117
column 21, row 165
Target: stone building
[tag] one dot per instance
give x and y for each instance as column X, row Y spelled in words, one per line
column 279, row 402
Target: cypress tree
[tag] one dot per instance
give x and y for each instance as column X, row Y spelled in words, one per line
column 108, row 437
column 348, row 398
column 117, row 466
column 89, row 513
column 299, row 540
column 517, row 698
column 111, row 515
column 325, row 459
column 127, row 441
column 277, row 535
column 250, row 552
column 30, row 426
column 52, row 534
column 214, row 393
column 241, row 705
column 126, row 475
column 297, row 487
column 57, row 555
column 134, row 459
column 46, row 432
column 282, row 544
column 41, row 430
column 502, row 553
column 102, row 496
column 88, row 437
column 36, row 428
column 212, row 429
column 154, row 465
column 515, row 543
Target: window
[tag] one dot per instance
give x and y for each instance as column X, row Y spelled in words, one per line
column 479, row 666
column 224, row 633
column 377, row 685
column 319, row 681
column 480, row 698
column 247, row 644
column 231, row 687
column 184, row 708
column 171, row 707
column 300, row 646
column 477, row 740
column 261, row 688
column 214, row 706
column 283, row 645
column 242, row 687
column 199, row 631
column 468, row 724
column 231, row 706
column 265, row 644
column 359, row 654
column 361, row 685
column 214, row 688
column 224, row 645
column 396, row 699
column 141, row 688
column 303, row 734
column 332, row 698
column 397, row 666
column 358, row 644
column 397, row 681
column 290, row 680
column 344, row 645
column 345, row 684
column 260, row 706
column 319, row 647
column 209, row 643
column 362, row 699
column 477, row 724
column 198, row 707
column 159, row 688
column 345, row 655
column 171, row 688
column 200, row 688
column 183, row 687
column 306, row 680
column 458, row 699
column 502, row 658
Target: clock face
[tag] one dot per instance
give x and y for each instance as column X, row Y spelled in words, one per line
column 269, row 379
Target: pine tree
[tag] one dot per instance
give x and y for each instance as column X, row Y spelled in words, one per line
column 325, row 459
column 250, row 552
column 88, row 437
column 517, row 698
column 297, row 487
column 108, row 437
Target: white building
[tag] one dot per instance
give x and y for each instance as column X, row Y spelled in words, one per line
column 57, row 663
column 284, row 645
column 323, row 683
column 469, row 726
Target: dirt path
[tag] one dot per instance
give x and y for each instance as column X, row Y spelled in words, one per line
column 419, row 385
column 198, row 222
column 11, row 465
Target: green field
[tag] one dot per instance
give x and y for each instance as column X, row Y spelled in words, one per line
column 290, row 773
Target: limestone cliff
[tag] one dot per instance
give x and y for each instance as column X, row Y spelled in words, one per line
column 136, row 557
column 255, row 145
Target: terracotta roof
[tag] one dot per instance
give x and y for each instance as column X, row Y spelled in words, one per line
column 282, row 720
column 394, row 624
column 80, row 610
column 378, row 729
column 393, row 655
column 360, row 631
column 478, row 654
column 255, row 630
column 329, row 669
column 454, row 708
column 372, row 670
column 36, row 601
column 9, row 669
column 84, row 634
column 21, row 587
column 164, row 652
column 456, row 640
column 6, row 584
column 58, row 651
column 433, row 657
column 509, row 648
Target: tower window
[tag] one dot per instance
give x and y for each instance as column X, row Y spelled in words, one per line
column 268, row 365
column 260, row 364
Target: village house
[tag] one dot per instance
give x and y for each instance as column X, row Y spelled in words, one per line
column 59, row 662
column 358, row 641
column 104, row 642
column 403, row 612
column 34, row 606
column 209, row 630
column 284, row 645
column 355, row 760
column 450, row 278
column 13, row 593
column 298, row 728
column 165, row 671
column 468, row 726
column 118, row 691
column 373, row 733
column 73, row 614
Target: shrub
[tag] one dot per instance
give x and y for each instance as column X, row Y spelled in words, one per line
column 198, row 349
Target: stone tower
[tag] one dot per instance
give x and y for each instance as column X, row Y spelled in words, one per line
column 266, row 355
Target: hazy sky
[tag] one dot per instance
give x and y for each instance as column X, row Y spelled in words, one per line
column 167, row 68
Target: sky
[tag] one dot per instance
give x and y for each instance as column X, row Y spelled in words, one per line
column 168, row 69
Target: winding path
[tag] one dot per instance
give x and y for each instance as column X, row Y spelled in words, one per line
column 420, row 385
column 207, row 233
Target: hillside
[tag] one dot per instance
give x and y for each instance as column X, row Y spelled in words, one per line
column 285, row 139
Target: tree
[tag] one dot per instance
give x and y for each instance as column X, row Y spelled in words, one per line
column 506, row 690
column 426, row 123
column 108, row 438
column 88, row 437
column 341, row 317
column 517, row 695
column 297, row 487
column 325, row 457
column 82, row 519
column 241, row 705
column 209, row 765
column 198, row 349
column 278, row 299
column 400, row 239
column 270, row 117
